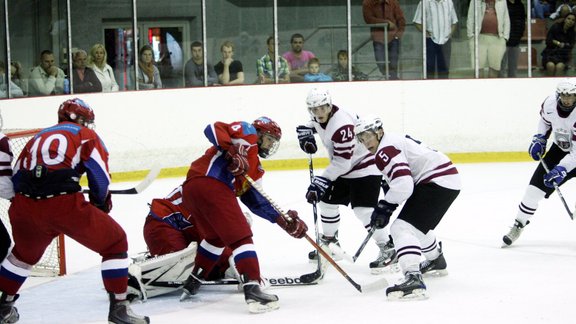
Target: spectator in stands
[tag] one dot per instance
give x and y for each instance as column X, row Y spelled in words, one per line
column 229, row 70
column 559, row 43
column 46, row 78
column 15, row 90
column 266, row 69
column 314, row 74
column 561, row 12
column 339, row 72
column 441, row 23
column 542, row 8
column 517, row 14
column 84, row 79
column 17, row 76
column 148, row 73
column 379, row 12
column 194, row 68
column 298, row 58
column 493, row 30
column 97, row 61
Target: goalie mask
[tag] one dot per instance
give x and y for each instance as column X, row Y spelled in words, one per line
column 269, row 135
column 566, row 95
column 369, row 132
column 76, row 111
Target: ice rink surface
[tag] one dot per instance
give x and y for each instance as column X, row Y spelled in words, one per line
column 530, row 282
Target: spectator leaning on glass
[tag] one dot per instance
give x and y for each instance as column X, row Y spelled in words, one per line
column 229, row 70
column 493, row 29
column 17, row 76
column 148, row 73
column 15, row 90
column 46, row 78
column 559, row 44
column 97, row 61
column 441, row 22
column 379, row 12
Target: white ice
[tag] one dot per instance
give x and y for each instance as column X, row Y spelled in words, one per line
column 530, row 282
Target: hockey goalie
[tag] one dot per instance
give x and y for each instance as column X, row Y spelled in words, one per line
column 172, row 241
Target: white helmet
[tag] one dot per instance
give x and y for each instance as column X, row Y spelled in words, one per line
column 565, row 87
column 318, row 97
column 368, row 124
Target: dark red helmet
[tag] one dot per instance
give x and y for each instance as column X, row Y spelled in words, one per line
column 76, row 111
column 266, row 126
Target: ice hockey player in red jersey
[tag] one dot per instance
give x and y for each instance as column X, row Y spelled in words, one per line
column 49, row 202
column 557, row 118
column 172, row 239
column 350, row 178
column 209, row 193
column 427, row 183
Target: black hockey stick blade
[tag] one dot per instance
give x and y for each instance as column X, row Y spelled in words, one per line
column 140, row 187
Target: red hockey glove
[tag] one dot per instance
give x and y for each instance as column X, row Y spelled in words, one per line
column 296, row 228
column 105, row 206
column 237, row 156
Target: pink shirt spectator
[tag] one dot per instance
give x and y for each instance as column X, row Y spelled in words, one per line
column 298, row 62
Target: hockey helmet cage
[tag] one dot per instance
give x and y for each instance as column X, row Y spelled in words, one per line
column 566, row 87
column 78, row 111
column 266, row 126
column 318, row 97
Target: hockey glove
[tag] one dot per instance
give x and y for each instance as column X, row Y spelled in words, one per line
column 237, row 155
column 105, row 206
column 537, row 147
column 555, row 176
column 306, row 139
column 317, row 189
column 381, row 214
column 296, row 228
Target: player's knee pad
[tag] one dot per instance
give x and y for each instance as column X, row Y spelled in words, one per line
column 363, row 214
column 328, row 210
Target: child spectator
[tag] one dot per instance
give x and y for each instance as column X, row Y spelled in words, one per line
column 314, row 74
column 339, row 72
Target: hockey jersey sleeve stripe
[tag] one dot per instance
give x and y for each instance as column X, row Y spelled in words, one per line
column 399, row 169
column 439, row 172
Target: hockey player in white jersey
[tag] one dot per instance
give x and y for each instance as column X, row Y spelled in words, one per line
column 427, row 183
column 557, row 118
column 350, row 178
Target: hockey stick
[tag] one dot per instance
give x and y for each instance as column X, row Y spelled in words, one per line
column 381, row 283
column 152, row 174
column 316, row 275
column 557, row 189
column 338, row 250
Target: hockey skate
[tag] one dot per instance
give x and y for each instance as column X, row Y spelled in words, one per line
column 413, row 288
column 325, row 241
column 190, row 288
column 387, row 260
column 514, row 233
column 436, row 267
column 8, row 313
column 121, row 313
column 258, row 301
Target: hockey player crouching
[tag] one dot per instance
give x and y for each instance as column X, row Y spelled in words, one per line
column 209, row 194
column 172, row 239
column 427, row 183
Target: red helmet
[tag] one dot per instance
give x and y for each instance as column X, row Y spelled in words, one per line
column 266, row 126
column 76, row 111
